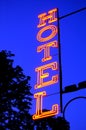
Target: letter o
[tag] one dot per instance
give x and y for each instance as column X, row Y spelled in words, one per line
column 54, row 30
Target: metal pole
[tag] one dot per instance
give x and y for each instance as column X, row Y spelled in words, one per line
column 60, row 65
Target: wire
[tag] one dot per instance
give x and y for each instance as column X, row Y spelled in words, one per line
column 50, row 94
column 77, row 11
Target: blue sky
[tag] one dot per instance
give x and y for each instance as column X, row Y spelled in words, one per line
column 18, row 30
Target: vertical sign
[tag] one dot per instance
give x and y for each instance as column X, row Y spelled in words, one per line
column 47, row 73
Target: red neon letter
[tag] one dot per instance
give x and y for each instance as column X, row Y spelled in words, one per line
column 39, row 114
column 44, row 17
column 41, row 75
column 46, row 48
column 54, row 30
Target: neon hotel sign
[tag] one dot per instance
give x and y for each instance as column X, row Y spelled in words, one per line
column 46, row 23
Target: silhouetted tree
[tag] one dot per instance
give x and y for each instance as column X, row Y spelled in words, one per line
column 15, row 95
column 41, row 124
column 55, row 123
column 59, row 123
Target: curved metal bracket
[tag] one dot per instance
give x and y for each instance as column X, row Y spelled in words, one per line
column 70, row 102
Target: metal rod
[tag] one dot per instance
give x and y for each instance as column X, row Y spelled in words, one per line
column 60, row 65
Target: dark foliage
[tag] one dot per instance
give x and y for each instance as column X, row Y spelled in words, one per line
column 15, row 95
column 53, row 123
column 15, row 100
column 59, row 123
